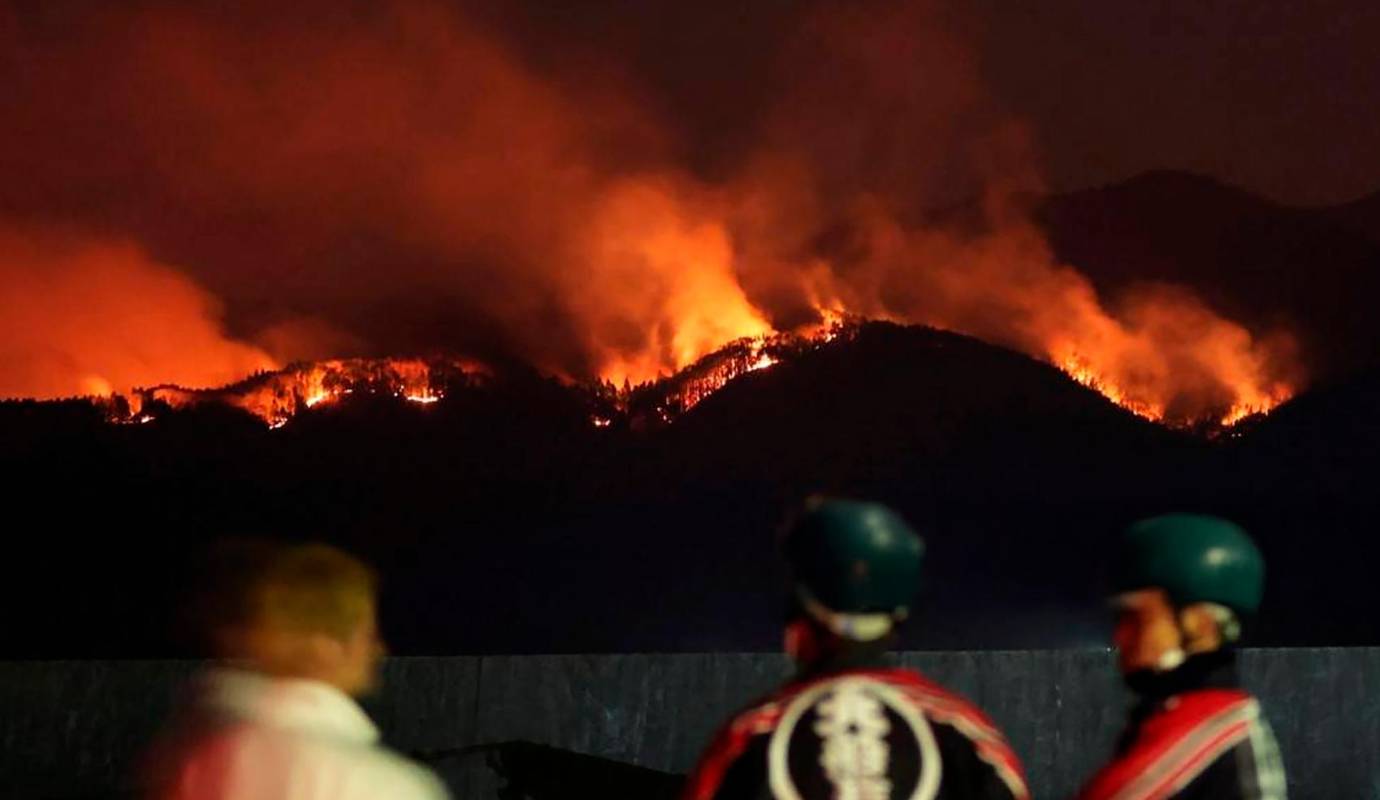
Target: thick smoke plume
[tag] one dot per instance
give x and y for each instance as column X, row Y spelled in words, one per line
column 370, row 179
column 85, row 317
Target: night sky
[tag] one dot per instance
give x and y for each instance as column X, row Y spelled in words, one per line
column 1276, row 97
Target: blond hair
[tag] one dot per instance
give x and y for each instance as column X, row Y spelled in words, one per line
column 300, row 588
column 313, row 588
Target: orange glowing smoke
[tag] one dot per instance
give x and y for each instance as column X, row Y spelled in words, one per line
column 1161, row 354
column 1170, row 342
column 89, row 316
column 673, row 270
column 417, row 182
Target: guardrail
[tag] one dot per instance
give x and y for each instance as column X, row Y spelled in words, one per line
column 632, row 721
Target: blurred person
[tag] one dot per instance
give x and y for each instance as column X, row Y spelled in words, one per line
column 849, row 725
column 1185, row 586
column 295, row 627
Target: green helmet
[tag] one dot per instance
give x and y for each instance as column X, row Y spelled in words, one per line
column 1195, row 559
column 856, row 566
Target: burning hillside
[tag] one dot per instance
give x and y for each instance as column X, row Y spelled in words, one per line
column 250, row 216
column 662, row 400
column 275, row 397
column 502, row 466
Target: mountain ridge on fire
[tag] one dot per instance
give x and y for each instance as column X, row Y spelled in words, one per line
column 600, row 513
column 276, row 397
column 1294, row 277
column 605, row 537
column 1313, row 271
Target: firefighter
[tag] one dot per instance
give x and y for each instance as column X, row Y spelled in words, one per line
column 1185, row 585
column 849, row 725
column 278, row 720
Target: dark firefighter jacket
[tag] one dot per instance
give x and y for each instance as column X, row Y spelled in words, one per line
column 870, row 732
column 1194, row 736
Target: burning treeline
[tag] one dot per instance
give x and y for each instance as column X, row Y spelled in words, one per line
column 194, row 197
column 277, row 396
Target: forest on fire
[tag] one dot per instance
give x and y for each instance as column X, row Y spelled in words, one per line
column 504, row 521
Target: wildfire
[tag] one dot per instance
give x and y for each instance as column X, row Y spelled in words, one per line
column 1244, row 409
column 1249, row 400
column 277, row 397
column 713, row 373
column 763, row 361
column 564, row 212
column 1077, row 367
column 661, row 401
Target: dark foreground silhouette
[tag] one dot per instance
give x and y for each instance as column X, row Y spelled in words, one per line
column 529, row 771
column 504, row 521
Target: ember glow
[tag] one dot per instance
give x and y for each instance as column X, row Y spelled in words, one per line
column 714, row 372
column 1248, row 401
column 493, row 202
column 276, row 397
column 662, row 401
column 1077, row 368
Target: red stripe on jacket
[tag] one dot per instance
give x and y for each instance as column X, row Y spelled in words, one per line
column 1175, row 745
column 935, row 702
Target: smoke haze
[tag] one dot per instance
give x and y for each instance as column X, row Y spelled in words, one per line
column 407, row 177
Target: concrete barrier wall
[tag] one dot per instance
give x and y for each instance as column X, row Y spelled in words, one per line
column 73, row 729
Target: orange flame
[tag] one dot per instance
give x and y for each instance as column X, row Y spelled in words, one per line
column 277, row 397
column 538, row 198
column 1078, row 368
column 674, row 269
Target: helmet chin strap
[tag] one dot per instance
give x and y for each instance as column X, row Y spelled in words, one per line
column 855, row 627
column 1170, row 660
column 1228, row 624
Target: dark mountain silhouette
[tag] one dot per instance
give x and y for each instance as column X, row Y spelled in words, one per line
column 1312, row 466
column 1314, row 272
column 505, row 521
column 1361, row 215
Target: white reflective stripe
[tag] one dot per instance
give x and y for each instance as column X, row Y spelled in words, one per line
column 1191, row 748
column 857, row 627
column 989, row 744
column 1265, row 770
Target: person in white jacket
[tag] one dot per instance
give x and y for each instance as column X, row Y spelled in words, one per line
column 296, row 629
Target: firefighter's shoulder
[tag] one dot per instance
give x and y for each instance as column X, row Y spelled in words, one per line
column 733, row 739
column 1176, row 744
column 945, row 707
